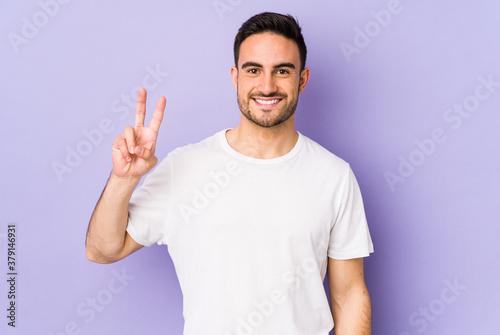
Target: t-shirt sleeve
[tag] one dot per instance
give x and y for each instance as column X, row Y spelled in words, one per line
column 149, row 207
column 349, row 235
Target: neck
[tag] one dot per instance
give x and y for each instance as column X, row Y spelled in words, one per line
column 263, row 143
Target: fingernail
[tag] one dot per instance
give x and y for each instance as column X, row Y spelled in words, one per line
column 138, row 151
column 128, row 159
column 131, row 150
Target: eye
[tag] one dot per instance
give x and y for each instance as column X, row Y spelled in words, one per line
column 283, row 71
column 252, row 71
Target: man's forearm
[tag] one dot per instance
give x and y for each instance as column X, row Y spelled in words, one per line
column 107, row 226
column 352, row 315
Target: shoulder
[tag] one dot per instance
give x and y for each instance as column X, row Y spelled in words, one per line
column 322, row 157
column 195, row 157
column 196, row 151
column 208, row 144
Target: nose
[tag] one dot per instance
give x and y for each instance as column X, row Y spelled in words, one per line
column 268, row 84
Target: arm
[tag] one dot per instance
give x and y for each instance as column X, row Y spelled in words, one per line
column 107, row 238
column 133, row 157
column 350, row 301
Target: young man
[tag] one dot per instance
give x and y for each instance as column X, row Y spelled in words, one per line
column 253, row 216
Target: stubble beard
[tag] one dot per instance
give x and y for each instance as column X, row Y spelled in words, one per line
column 286, row 111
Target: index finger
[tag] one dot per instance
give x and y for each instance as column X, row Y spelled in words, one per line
column 158, row 114
column 140, row 110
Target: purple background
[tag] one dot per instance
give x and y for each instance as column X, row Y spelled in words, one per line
column 437, row 228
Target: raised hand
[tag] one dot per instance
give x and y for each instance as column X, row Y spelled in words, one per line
column 133, row 151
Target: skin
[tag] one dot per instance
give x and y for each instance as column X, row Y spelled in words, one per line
column 268, row 69
column 133, row 157
column 349, row 298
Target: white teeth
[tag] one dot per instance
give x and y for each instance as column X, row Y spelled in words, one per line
column 267, row 102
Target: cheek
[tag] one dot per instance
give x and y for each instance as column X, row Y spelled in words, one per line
column 292, row 89
column 244, row 86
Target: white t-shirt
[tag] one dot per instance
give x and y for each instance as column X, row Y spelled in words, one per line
column 249, row 238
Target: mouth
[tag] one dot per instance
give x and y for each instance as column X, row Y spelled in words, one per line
column 267, row 103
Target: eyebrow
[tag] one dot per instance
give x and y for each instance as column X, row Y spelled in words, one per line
column 253, row 64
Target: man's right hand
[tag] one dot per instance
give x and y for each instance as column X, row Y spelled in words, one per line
column 134, row 150
column 133, row 157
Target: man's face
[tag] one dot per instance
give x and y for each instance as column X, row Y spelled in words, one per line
column 268, row 79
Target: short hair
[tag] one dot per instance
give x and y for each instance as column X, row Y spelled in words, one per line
column 284, row 25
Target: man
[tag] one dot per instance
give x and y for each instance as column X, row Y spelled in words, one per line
column 253, row 216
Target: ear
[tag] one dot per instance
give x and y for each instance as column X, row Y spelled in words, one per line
column 234, row 77
column 304, row 78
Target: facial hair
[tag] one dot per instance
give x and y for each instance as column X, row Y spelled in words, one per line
column 284, row 114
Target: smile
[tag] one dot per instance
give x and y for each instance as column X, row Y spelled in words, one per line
column 267, row 102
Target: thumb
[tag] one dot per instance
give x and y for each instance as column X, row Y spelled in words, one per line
column 148, row 157
column 144, row 153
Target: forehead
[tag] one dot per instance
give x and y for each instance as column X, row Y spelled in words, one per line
column 269, row 49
